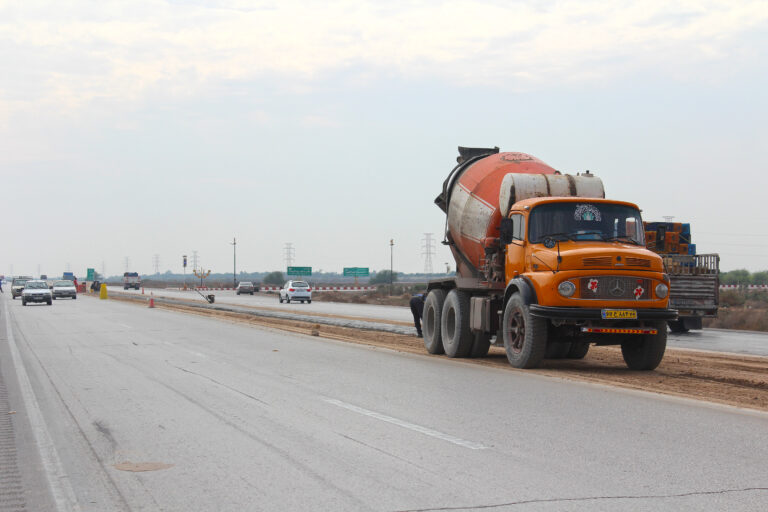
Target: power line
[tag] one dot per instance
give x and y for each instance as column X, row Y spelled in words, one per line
column 156, row 263
column 428, row 248
column 289, row 254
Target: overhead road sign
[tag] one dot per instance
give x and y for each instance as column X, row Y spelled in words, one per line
column 299, row 271
column 91, row 275
column 356, row 272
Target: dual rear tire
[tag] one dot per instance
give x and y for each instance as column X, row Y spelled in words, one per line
column 445, row 326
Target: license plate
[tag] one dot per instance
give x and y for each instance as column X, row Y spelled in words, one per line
column 623, row 314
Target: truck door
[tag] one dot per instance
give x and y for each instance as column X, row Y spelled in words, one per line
column 516, row 249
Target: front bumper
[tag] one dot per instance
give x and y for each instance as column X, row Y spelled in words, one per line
column 64, row 294
column 558, row 313
column 36, row 298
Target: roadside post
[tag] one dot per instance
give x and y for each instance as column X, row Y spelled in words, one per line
column 103, row 291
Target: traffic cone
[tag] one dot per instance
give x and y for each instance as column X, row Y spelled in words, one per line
column 151, row 300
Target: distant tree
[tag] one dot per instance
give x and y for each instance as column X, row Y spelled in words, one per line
column 275, row 277
column 760, row 277
column 382, row 277
column 740, row 276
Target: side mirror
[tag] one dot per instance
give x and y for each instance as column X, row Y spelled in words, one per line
column 506, row 231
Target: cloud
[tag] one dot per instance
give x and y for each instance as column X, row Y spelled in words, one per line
column 107, row 51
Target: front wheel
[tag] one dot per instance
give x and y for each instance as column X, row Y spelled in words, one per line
column 309, row 301
column 645, row 351
column 525, row 336
column 23, row 302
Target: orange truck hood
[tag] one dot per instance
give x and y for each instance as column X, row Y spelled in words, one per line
column 596, row 255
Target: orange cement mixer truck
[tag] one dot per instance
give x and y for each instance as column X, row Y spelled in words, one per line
column 545, row 266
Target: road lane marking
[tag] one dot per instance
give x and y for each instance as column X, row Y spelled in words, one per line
column 61, row 488
column 410, row 426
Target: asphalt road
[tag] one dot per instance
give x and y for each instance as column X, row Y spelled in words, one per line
column 232, row 417
column 718, row 340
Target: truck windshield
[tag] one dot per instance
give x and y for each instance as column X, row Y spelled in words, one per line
column 586, row 221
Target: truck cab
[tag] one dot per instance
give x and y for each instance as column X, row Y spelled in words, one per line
column 579, row 267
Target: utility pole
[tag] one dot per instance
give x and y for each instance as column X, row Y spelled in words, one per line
column 156, row 263
column 391, row 264
column 127, row 264
column 184, row 263
column 428, row 248
column 194, row 260
column 289, row 253
column 234, row 262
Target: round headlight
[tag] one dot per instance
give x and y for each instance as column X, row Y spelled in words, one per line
column 566, row 288
column 661, row 290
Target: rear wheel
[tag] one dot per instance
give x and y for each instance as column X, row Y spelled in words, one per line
column 433, row 310
column 454, row 325
column 557, row 350
column 578, row 350
column 50, row 302
column 525, row 336
column 645, row 351
column 480, row 345
column 280, row 298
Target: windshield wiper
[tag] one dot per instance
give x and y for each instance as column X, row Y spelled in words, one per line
column 622, row 238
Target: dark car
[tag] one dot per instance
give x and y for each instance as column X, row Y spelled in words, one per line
column 245, row 287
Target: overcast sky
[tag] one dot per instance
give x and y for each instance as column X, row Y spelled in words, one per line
column 144, row 127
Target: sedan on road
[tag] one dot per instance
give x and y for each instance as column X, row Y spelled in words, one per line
column 36, row 291
column 17, row 286
column 245, row 287
column 64, row 289
column 296, row 290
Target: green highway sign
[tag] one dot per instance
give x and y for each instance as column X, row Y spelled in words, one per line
column 356, row 271
column 299, row 271
column 91, row 275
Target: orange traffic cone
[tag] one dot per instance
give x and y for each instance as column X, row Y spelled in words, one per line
column 151, row 300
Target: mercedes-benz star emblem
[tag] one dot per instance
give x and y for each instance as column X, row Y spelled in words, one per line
column 617, row 288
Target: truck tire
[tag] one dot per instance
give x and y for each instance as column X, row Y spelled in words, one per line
column 557, row 349
column 454, row 325
column 480, row 345
column 578, row 350
column 525, row 336
column 677, row 326
column 433, row 310
column 23, row 302
column 645, row 351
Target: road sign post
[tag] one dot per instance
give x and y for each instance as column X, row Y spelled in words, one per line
column 356, row 272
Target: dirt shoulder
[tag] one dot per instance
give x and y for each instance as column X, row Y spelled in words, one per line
column 736, row 380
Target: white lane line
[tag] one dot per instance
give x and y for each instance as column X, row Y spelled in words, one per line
column 61, row 488
column 410, row 426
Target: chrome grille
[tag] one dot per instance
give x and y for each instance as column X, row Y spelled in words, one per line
column 614, row 288
column 599, row 261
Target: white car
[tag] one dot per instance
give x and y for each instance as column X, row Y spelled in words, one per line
column 36, row 291
column 64, row 289
column 296, row 290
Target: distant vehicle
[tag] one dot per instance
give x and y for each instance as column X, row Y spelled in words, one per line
column 64, row 289
column 36, row 291
column 131, row 280
column 43, row 277
column 296, row 290
column 17, row 285
column 245, row 287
